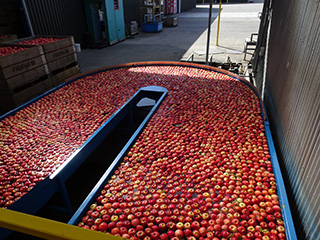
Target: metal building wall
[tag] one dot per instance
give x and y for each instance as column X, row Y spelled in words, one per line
column 58, row 17
column 131, row 11
column 187, row 5
column 292, row 99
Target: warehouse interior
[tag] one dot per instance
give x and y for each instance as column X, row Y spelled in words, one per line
column 282, row 67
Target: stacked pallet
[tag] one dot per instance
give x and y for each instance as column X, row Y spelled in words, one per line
column 23, row 75
column 44, row 62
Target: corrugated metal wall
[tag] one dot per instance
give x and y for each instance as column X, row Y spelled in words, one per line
column 58, row 17
column 292, row 99
column 187, row 5
column 131, row 11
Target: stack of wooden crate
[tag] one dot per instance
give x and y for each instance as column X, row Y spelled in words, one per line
column 23, row 76
column 60, row 55
column 40, row 67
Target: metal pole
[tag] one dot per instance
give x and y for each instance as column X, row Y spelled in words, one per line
column 208, row 37
column 27, row 17
column 218, row 29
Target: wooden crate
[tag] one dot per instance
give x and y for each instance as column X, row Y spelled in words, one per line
column 58, row 54
column 7, row 38
column 21, row 68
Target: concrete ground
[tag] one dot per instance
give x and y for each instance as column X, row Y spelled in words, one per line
column 237, row 22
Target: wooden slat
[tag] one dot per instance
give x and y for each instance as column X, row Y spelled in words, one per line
column 21, row 56
column 26, row 77
column 59, row 78
column 62, row 62
column 22, row 67
column 60, row 53
column 62, row 43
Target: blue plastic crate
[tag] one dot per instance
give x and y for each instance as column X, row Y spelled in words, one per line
column 152, row 27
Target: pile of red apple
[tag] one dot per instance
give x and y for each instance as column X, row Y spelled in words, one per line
column 201, row 168
column 39, row 41
column 8, row 50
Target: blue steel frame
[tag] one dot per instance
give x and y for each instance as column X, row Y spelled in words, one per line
column 43, row 191
column 281, row 190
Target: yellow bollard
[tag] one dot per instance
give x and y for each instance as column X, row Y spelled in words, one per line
column 218, row 29
column 202, row 1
